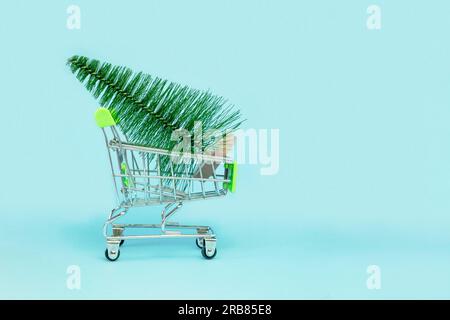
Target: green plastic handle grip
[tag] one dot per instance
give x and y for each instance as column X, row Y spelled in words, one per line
column 104, row 118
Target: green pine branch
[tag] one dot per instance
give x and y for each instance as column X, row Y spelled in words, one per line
column 149, row 108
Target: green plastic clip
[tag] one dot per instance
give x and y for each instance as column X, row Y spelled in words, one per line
column 232, row 176
column 104, row 118
column 123, row 170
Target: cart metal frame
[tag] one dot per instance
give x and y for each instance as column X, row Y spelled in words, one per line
column 141, row 180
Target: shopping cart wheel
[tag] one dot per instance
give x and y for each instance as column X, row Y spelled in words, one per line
column 112, row 256
column 208, row 255
column 199, row 242
column 209, row 250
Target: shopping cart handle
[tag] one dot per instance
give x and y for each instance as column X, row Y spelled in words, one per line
column 231, row 173
column 104, row 118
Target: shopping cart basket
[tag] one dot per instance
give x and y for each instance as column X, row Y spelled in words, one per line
column 145, row 176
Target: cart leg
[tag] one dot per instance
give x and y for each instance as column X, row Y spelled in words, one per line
column 113, row 218
column 202, row 232
column 168, row 212
column 118, row 232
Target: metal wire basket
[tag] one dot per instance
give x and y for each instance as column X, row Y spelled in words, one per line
column 145, row 176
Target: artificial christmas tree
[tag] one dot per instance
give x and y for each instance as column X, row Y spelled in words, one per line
column 148, row 109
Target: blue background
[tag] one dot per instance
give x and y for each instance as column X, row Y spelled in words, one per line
column 364, row 159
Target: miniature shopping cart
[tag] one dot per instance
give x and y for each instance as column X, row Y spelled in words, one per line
column 145, row 176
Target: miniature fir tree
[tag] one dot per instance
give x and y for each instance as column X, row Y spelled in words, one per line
column 149, row 109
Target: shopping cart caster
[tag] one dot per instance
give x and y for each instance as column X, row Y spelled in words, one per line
column 112, row 255
column 199, row 242
column 209, row 249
